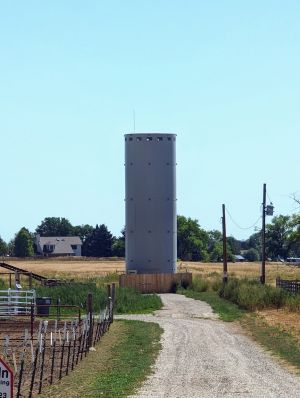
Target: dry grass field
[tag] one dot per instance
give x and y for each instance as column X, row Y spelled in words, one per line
column 82, row 268
column 287, row 321
column 242, row 270
column 69, row 268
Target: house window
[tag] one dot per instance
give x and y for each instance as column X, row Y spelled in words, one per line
column 74, row 247
column 48, row 248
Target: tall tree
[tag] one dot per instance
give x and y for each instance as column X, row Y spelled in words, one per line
column 215, row 246
column 234, row 245
column 277, row 237
column 3, row 247
column 118, row 246
column 294, row 237
column 98, row 243
column 11, row 247
column 23, row 246
column 83, row 231
column 253, row 242
column 192, row 240
column 55, row 226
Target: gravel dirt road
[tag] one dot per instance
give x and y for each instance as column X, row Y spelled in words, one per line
column 204, row 357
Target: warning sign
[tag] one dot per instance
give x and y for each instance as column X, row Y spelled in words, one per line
column 6, row 380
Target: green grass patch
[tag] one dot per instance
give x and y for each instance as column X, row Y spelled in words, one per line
column 3, row 284
column 274, row 338
column 132, row 361
column 128, row 301
column 122, row 361
column 212, row 283
column 73, row 294
column 226, row 310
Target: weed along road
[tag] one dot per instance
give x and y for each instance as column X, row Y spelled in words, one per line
column 203, row 357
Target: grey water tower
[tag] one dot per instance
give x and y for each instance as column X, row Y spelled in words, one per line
column 150, row 200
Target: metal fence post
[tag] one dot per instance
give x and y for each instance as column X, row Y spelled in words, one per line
column 90, row 315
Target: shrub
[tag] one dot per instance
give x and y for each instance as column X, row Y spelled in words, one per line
column 216, row 284
column 131, row 301
column 275, row 297
column 229, row 290
column 127, row 300
column 251, row 255
column 251, row 295
column 75, row 294
column 184, row 284
column 200, row 284
column 3, row 284
column 292, row 302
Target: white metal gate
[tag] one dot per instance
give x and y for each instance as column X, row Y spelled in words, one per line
column 16, row 302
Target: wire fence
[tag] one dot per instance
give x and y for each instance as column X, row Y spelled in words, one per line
column 290, row 286
column 53, row 350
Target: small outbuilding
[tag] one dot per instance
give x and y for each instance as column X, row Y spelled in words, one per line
column 239, row 258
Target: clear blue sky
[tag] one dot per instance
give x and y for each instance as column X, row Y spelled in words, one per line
column 223, row 76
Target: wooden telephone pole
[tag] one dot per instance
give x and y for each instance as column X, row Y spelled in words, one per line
column 225, row 275
column 263, row 238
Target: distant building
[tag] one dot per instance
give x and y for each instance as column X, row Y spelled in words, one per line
column 238, row 258
column 49, row 246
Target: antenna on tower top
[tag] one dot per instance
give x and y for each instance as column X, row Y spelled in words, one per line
column 134, row 121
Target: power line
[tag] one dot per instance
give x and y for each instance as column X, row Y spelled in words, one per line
column 238, row 226
column 269, row 197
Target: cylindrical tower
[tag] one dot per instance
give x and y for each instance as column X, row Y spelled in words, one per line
column 150, row 190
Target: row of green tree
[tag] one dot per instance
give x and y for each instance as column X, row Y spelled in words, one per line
column 193, row 242
column 282, row 241
column 97, row 241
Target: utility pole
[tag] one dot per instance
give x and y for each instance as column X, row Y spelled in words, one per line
column 263, row 238
column 225, row 276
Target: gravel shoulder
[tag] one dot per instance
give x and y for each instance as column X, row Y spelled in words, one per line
column 204, row 357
